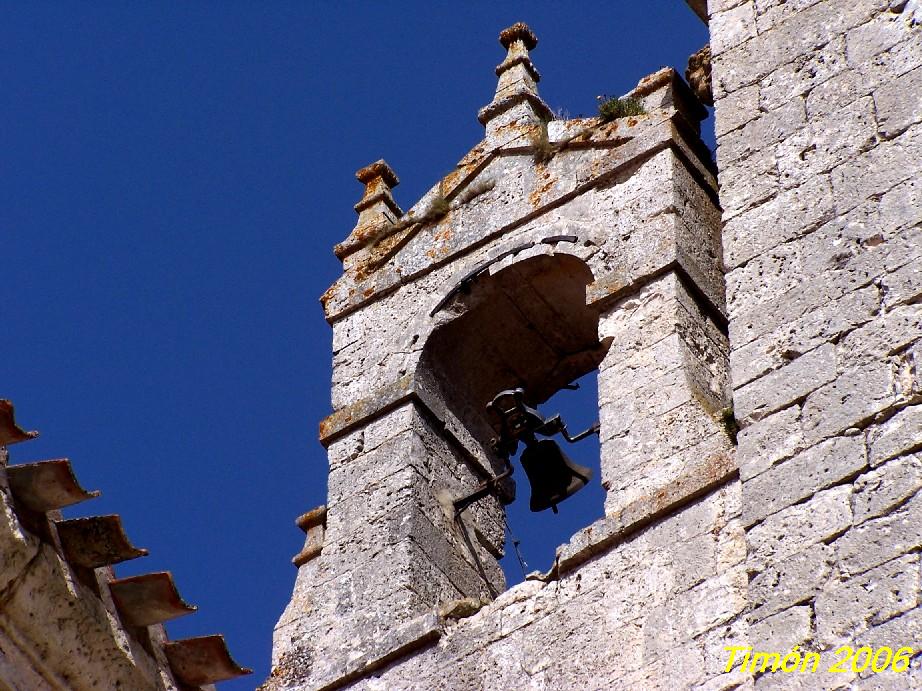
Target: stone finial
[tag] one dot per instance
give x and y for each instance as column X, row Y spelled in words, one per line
column 516, row 99
column 377, row 209
column 698, row 75
column 519, row 31
column 378, row 169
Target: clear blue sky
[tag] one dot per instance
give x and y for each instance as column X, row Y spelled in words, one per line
column 174, row 176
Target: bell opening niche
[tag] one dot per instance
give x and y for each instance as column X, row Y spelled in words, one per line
column 538, row 534
column 516, row 361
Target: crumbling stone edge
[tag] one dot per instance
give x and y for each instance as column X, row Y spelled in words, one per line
column 415, row 634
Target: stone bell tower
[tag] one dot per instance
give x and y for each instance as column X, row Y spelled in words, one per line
column 553, row 249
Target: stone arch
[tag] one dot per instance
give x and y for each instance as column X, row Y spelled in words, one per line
column 525, row 325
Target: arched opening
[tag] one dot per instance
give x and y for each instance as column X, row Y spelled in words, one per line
column 538, row 534
column 526, row 326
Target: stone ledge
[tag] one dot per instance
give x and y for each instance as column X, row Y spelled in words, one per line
column 616, row 284
column 408, row 389
column 379, row 402
column 413, row 635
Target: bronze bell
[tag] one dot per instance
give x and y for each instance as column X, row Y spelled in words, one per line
column 552, row 475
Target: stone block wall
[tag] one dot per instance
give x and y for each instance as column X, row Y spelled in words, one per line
column 819, row 131
column 654, row 611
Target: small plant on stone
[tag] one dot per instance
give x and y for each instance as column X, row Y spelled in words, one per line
column 731, row 426
column 613, row 108
column 475, row 190
column 438, row 208
column 542, row 149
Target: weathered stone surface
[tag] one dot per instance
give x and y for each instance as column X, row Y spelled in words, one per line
column 818, row 156
column 892, row 681
column 877, row 170
column 748, row 183
column 813, row 27
column 817, row 468
column 867, row 40
column 848, row 255
column 902, row 286
column 59, row 626
column 799, row 77
column 827, row 323
column 736, row 110
column 815, row 267
column 899, row 104
column 898, row 435
column 690, row 522
column 709, row 604
column 794, row 212
column 826, row 515
column 17, row 546
column 772, row 12
column 885, row 336
column 847, row 263
column 785, row 386
column 790, row 582
column 782, row 631
column 881, row 490
column 82, row 646
column 769, row 440
column 826, row 142
column 852, row 400
column 517, row 639
column 731, row 27
column 808, row 681
column 714, row 644
column 722, row 5
column 764, row 131
column 894, row 634
column 846, row 608
column 878, row 540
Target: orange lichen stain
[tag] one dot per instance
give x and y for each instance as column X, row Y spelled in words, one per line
column 595, row 166
column 652, row 82
column 514, row 127
column 360, row 236
column 450, row 180
column 328, row 295
column 608, row 129
column 472, row 158
column 631, row 122
column 444, row 234
column 374, row 256
column 534, row 198
column 441, row 241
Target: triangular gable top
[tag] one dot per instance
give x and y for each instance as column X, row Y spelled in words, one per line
column 526, row 164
